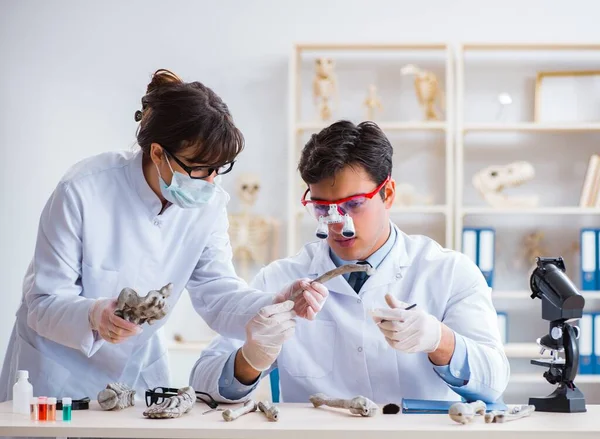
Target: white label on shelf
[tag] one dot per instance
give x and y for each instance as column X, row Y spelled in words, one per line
column 469, row 246
column 597, row 335
column 585, row 337
column 486, row 250
column 588, row 251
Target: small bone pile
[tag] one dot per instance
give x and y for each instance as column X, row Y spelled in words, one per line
column 464, row 413
column 139, row 310
column 271, row 411
column 175, row 406
column 116, row 396
column 358, row 405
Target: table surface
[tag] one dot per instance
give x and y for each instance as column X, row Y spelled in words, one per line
column 296, row 421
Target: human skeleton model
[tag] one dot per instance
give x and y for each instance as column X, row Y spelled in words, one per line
column 324, row 86
column 372, row 102
column 427, row 89
column 251, row 234
column 491, row 181
column 175, row 406
column 116, row 396
column 140, row 310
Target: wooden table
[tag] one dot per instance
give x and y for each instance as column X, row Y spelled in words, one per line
column 299, row 421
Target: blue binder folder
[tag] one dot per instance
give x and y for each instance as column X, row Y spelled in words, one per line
column 589, row 259
column 586, row 344
column 479, row 245
column 424, row 406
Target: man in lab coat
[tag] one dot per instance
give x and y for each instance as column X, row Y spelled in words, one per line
column 364, row 341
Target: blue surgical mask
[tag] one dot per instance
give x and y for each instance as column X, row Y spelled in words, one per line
column 184, row 191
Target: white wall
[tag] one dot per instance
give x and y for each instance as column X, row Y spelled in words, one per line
column 72, row 74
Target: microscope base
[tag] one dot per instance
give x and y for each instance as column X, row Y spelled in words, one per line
column 563, row 400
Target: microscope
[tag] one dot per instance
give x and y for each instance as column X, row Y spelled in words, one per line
column 561, row 305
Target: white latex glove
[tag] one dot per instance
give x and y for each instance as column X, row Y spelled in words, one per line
column 266, row 333
column 309, row 302
column 111, row 328
column 411, row 330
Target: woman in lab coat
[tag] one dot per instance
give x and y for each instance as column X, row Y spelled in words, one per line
column 139, row 220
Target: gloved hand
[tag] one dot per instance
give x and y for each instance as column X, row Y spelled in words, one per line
column 266, row 333
column 309, row 302
column 111, row 328
column 411, row 330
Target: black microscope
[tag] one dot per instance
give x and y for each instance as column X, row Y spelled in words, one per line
column 561, row 305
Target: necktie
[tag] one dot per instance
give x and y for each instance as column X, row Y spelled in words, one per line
column 358, row 278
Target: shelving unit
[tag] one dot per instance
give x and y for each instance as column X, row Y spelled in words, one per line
column 299, row 127
column 481, row 138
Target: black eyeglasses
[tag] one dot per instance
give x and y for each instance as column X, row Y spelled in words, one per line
column 202, row 172
column 158, row 395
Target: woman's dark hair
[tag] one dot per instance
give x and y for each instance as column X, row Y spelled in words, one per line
column 178, row 115
column 345, row 144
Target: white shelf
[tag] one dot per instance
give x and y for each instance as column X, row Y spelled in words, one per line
column 567, row 210
column 518, row 295
column 438, row 208
column 532, row 378
column 385, row 126
column 531, row 127
column 524, row 350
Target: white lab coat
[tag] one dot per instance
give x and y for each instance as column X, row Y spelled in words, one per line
column 344, row 354
column 99, row 232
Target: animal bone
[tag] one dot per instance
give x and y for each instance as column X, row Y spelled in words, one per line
column 348, row 268
column 491, row 181
column 463, row 413
column 232, row 414
column 139, row 310
column 325, row 86
column 427, row 89
column 358, row 405
column 511, row 414
column 116, row 396
column 271, row 411
column 175, row 406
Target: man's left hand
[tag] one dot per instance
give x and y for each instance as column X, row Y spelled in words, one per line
column 409, row 331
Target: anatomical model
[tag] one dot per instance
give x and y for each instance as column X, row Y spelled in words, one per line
column 324, row 86
column 140, row 310
column 427, row 89
column 372, row 102
column 254, row 238
column 491, row 181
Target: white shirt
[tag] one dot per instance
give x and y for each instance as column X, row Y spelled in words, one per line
column 344, row 354
column 99, row 232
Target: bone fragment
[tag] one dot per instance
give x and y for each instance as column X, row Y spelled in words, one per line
column 463, row 413
column 348, row 268
column 139, row 310
column 232, row 414
column 511, row 414
column 175, row 406
column 358, row 405
column 116, row 396
column 271, row 411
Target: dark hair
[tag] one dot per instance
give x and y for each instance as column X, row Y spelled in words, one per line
column 178, row 115
column 345, row 144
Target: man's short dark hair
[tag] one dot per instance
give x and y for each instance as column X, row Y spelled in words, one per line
column 345, row 144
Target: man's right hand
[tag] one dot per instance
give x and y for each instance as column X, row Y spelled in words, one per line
column 110, row 327
column 266, row 333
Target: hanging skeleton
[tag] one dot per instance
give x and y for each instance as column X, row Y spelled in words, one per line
column 254, row 238
column 428, row 90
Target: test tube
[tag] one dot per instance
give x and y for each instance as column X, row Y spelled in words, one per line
column 51, row 416
column 66, row 409
column 33, row 409
column 42, row 408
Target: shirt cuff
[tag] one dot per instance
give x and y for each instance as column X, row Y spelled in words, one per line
column 457, row 373
column 229, row 387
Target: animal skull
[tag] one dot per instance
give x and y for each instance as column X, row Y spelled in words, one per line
column 491, row 181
